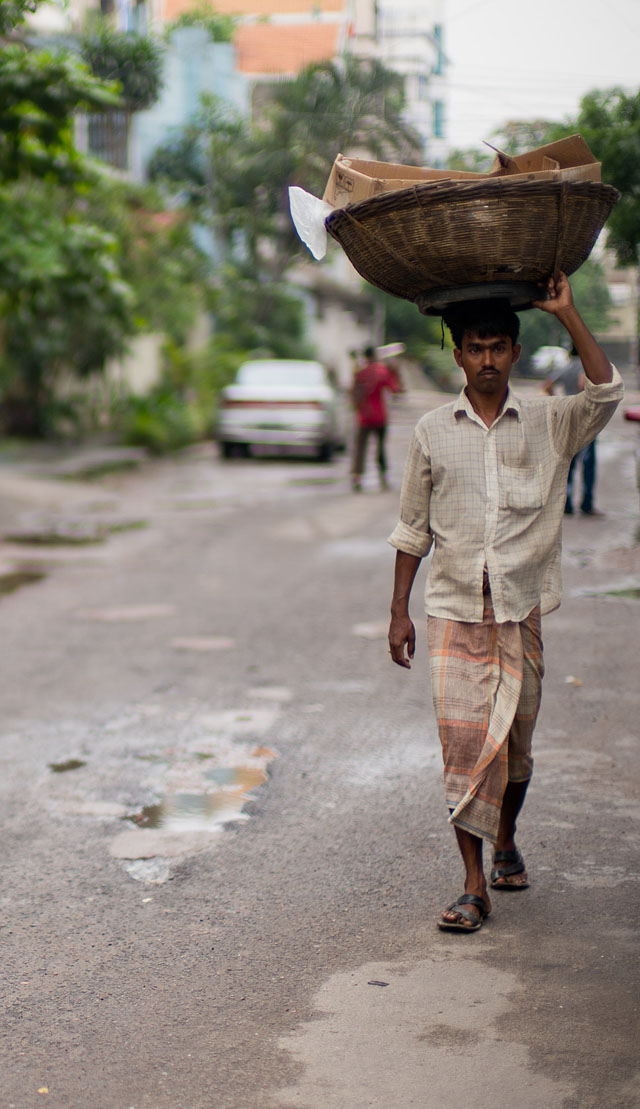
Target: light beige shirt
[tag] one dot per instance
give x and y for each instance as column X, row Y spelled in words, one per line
column 494, row 496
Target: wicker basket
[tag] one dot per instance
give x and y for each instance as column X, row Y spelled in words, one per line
column 445, row 241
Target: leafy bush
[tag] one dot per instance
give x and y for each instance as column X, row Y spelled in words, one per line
column 135, row 61
column 180, row 410
column 219, row 27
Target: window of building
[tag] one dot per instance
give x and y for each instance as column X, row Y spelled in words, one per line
column 438, row 68
column 438, row 119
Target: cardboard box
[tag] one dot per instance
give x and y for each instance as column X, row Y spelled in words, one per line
column 354, row 179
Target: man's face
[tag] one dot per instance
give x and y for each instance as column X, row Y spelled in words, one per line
column 487, row 362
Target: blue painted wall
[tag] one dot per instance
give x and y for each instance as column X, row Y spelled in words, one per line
column 193, row 65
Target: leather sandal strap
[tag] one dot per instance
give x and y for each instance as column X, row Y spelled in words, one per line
column 507, row 856
column 507, row 871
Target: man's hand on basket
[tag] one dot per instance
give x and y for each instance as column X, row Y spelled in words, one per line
column 560, row 296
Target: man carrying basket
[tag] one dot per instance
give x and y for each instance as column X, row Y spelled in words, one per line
column 484, row 489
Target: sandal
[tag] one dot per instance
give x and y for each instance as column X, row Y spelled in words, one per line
column 515, row 865
column 474, row 922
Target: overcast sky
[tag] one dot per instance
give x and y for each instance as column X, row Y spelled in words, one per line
column 519, row 59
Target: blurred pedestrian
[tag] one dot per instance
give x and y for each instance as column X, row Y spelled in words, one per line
column 570, row 378
column 370, row 384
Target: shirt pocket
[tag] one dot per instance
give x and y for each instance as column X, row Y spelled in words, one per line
column 522, row 488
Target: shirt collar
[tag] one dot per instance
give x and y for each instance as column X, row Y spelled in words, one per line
column 464, row 405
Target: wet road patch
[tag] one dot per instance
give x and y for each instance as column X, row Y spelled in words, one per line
column 199, row 800
column 377, row 630
column 313, row 481
column 16, row 579
column 68, row 764
column 77, row 533
column 203, row 643
column 125, row 613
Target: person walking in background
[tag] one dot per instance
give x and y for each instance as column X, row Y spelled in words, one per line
column 571, row 379
column 370, row 384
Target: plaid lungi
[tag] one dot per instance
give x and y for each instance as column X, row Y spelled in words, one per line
column 486, row 685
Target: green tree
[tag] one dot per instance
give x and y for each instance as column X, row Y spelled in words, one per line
column 591, row 294
column 609, row 122
column 219, row 27
column 63, row 303
column 40, row 90
column 85, row 260
column 133, row 61
column 331, row 107
column 235, row 172
column 403, row 323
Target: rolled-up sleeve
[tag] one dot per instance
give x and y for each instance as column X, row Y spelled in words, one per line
column 411, row 534
column 579, row 418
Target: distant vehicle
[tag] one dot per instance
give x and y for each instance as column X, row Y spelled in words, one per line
column 282, row 403
column 547, row 359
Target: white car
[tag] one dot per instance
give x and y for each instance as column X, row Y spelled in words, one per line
column 546, row 359
column 281, row 403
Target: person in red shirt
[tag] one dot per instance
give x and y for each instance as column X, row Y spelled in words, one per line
column 368, row 393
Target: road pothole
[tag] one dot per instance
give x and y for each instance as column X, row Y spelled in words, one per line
column 198, row 801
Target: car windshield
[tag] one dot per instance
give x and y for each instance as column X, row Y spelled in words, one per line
column 284, row 374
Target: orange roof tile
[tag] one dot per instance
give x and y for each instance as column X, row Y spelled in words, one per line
column 174, row 8
column 264, row 48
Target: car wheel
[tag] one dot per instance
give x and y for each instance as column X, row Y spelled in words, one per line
column 226, row 449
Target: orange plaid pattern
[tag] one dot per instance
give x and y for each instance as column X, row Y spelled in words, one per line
column 486, row 686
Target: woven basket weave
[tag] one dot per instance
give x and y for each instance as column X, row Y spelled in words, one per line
column 439, row 242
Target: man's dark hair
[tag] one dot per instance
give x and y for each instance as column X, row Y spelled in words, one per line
column 369, row 352
column 484, row 318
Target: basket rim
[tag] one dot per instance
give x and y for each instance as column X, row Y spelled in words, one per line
column 423, row 192
column 369, row 231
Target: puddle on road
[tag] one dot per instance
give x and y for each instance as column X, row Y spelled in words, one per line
column 73, row 534
column 198, row 800
column 125, row 613
column 69, row 764
column 244, row 778
column 203, row 643
column 194, row 504
column 630, row 592
column 15, row 579
column 99, row 470
column 202, row 811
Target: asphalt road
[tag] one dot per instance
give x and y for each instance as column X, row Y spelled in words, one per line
column 225, row 844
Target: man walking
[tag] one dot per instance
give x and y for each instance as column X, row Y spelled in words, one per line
column 485, row 488
column 369, row 387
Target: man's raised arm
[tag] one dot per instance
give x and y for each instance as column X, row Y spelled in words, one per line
column 596, row 365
